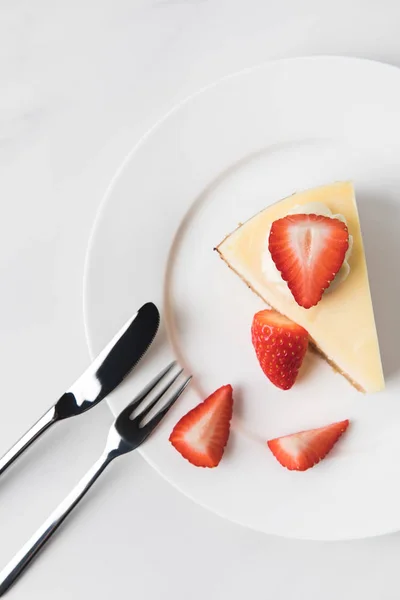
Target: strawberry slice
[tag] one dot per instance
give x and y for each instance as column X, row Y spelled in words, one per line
column 201, row 435
column 301, row 451
column 280, row 346
column 308, row 250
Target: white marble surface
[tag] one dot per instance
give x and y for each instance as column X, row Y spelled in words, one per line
column 80, row 82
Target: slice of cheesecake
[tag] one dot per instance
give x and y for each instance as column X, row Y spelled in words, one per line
column 342, row 325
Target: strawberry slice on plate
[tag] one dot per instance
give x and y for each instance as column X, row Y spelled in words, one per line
column 201, row 435
column 309, row 251
column 301, row 451
column 280, row 346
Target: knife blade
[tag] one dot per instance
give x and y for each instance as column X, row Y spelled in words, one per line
column 104, row 374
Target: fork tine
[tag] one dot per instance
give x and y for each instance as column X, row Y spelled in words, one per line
column 160, row 394
column 148, row 428
column 150, row 386
column 128, row 410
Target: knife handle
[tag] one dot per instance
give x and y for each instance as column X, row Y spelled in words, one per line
column 26, row 440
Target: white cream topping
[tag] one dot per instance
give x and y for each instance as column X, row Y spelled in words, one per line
column 270, row 271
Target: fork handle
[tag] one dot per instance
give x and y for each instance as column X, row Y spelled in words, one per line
column 28, row 438
column 21, row 560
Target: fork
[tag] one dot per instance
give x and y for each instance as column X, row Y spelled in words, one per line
column 125, row 435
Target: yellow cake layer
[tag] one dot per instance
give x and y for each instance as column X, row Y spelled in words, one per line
column 342, row 325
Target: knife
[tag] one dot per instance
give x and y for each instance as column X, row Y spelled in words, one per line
column 105, row 373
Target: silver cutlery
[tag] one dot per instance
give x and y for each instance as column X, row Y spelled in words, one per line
column 128, row 431
column 105, row 373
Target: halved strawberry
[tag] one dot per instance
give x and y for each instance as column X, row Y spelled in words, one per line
column 301, row 451
column 201, row 435
column 308, row 250
column 280, row 345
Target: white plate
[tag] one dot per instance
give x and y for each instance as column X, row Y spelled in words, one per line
column 217, row 159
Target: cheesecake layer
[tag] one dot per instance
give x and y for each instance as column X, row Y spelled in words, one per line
column 342, row 325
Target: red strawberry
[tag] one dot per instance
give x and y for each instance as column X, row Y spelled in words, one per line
column 201, row 435
column 301, row 451
column 280, row 346
column 308, row 250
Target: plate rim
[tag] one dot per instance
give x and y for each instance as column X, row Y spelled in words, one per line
column 99, row 213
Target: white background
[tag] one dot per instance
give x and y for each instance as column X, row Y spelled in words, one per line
column 80, row 82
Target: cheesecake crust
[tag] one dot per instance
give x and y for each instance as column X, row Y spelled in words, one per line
column 313, row 344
